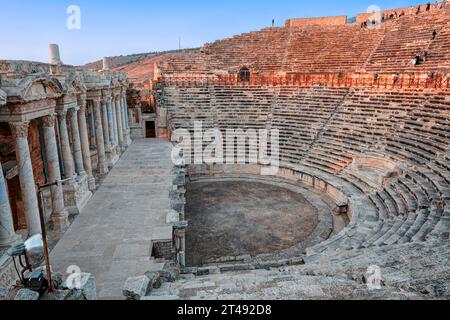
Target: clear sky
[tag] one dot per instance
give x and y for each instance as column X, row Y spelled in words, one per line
column 120, row 27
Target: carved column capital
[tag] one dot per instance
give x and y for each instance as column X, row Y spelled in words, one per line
column 83, row 102
column 19, row 129
column 96, row 102
column 49, row 121
column 73, row 111
column 62, row 113
column 83, row 107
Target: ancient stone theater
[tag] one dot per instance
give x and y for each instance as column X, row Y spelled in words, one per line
column 356, row 205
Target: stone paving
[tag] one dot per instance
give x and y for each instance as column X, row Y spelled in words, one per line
column 112, row 237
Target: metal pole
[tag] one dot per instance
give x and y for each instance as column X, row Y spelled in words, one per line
column 44, row 240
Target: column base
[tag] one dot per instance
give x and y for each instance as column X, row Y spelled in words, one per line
column 117, row 150
column 108, row 148
column 60, row 221
column 8, row 242
column 123, row 148
column 112, row 156
column 103, row 168
column 113, row 161
column 77, row 194
column 128, row 138
column 91, row 183
column 81, row 176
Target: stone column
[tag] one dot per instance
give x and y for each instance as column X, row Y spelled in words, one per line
column 76, row 142
column 105, row 124
column 102, row 163
column 126, row 127
column 114, row 119
column 92, row 130
column 59, row 217
column 68, row 164
column 125, row 109
column 84, row 139
column 7, row 233
column 119, row 125
column 180, row 235
column 26, row 177
column 109, row 109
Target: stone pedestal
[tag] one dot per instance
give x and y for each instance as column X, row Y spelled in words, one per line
column 77, row 194
column 7, row 234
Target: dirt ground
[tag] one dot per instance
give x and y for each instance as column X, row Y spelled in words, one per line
column 238, row 218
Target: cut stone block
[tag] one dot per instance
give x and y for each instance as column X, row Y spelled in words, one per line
column 27, row 295
column 137, row 287
column 85, row 282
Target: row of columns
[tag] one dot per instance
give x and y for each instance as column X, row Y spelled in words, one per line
column 111, row 130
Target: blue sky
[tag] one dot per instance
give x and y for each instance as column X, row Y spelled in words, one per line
column 116, row 27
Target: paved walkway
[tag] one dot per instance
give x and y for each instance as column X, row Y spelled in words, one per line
column 112, row 237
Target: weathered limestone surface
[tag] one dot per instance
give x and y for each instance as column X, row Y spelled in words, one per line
column 26, row 294
column 84, row 283
column 381, row 154
column 7, row 234
column 136, row 287
column 112, row 237
column 411, row 271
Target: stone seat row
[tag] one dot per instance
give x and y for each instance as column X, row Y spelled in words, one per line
column 324, row 130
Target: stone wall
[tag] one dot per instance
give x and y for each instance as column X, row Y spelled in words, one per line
column 404, row 11
column 323, row 131
column 326, row 21
column 342, row 48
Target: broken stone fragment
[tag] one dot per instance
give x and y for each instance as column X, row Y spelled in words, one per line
column 155, row 280
column 84, row 282
column 170, row 272
column 59, row 295
column 3, row 293
column 136, row 287
column 27, row 295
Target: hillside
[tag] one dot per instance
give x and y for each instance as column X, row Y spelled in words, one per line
column 139, row 67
